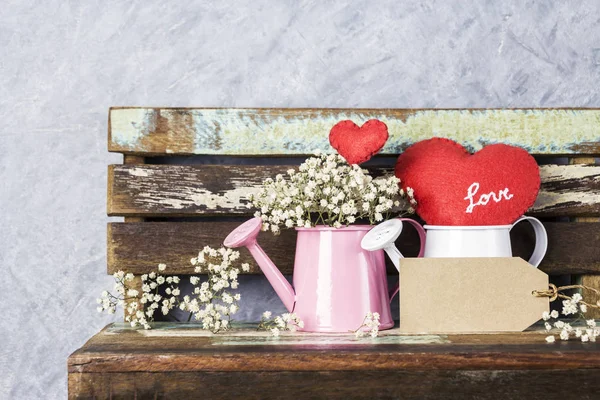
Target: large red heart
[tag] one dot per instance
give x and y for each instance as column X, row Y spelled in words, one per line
column 358, row 144
column 494, row 186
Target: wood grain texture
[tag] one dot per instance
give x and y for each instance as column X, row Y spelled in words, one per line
column 588, row 280
column 119, row 349
column 178, row 361
column 176, row 190
column 343, row 385
column 590, row 296
column 154, row 131
column 128, row 159
column 140, row 247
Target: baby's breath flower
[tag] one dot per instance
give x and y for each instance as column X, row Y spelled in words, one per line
column 326, row 190
column 284, row 322
column 591, row 323
column 585, row 338
column 133, row 301
column 569, row 306
column 371, row 324
column 210, row 303
column 573, row 305
column 550, row 339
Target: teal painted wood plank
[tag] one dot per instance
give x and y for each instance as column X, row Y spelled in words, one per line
column 246, row 334
column 154, row 131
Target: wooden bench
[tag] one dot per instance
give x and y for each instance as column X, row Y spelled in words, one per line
column 173, row 207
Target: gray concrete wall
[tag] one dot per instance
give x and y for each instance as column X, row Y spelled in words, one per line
column 63, row 63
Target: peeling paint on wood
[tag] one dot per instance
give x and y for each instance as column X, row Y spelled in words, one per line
column 302, row 131
column 169, row 190
column 568, row 190
column 133, row 127
column 140, row 351
column 248, row 335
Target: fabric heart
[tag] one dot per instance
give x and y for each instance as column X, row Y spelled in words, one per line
column 494, row 186
column 358, row 144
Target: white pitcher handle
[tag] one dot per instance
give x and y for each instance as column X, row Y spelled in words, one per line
column 420, row 231
column 541, row 240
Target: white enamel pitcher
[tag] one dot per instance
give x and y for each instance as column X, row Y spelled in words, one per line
column 481, row 241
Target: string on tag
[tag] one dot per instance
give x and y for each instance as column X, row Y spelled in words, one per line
column 553, row 293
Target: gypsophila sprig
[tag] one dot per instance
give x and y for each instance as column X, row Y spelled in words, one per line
column 213, row 302
column 572, row 307
column 370, row 326
column 140, row 308
column 284, row 322
column 327, row 190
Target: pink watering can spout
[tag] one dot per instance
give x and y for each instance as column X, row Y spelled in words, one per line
column 245, row 235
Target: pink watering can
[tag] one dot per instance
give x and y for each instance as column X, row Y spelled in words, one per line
column 336, row 281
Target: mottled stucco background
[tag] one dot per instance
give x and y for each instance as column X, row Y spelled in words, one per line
column 63, row 63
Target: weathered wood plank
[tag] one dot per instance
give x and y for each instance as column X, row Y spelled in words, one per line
column 592, row 281
column 122, row 349
column 178, row 361
column 177, row 190
column 136, row 283
column 139, row 247
column 154, row 131
column 128, row 159
column 343, row 385
column 590, row 296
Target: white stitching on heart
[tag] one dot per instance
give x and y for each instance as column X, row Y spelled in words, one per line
column 484, row 198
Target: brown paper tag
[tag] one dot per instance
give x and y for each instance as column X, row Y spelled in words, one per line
column 450, row 295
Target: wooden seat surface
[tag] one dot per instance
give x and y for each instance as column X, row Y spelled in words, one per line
column 182, row 361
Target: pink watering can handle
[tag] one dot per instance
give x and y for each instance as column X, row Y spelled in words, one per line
column 395, row 254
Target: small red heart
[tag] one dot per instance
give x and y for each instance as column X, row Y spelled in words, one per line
column 494, row 186
column 358, row 144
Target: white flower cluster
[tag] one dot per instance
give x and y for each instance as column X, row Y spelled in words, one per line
column 285, row 322
column 571, row 306
column 327, row 190
column 370, row 324
column 108, row 302
column 211, row 301
column 139, row 310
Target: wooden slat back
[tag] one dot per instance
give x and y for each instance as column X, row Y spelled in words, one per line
column 139, row 247
column 208, row 190
column 143, row 192
column 260, row 132
column 592, row 281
